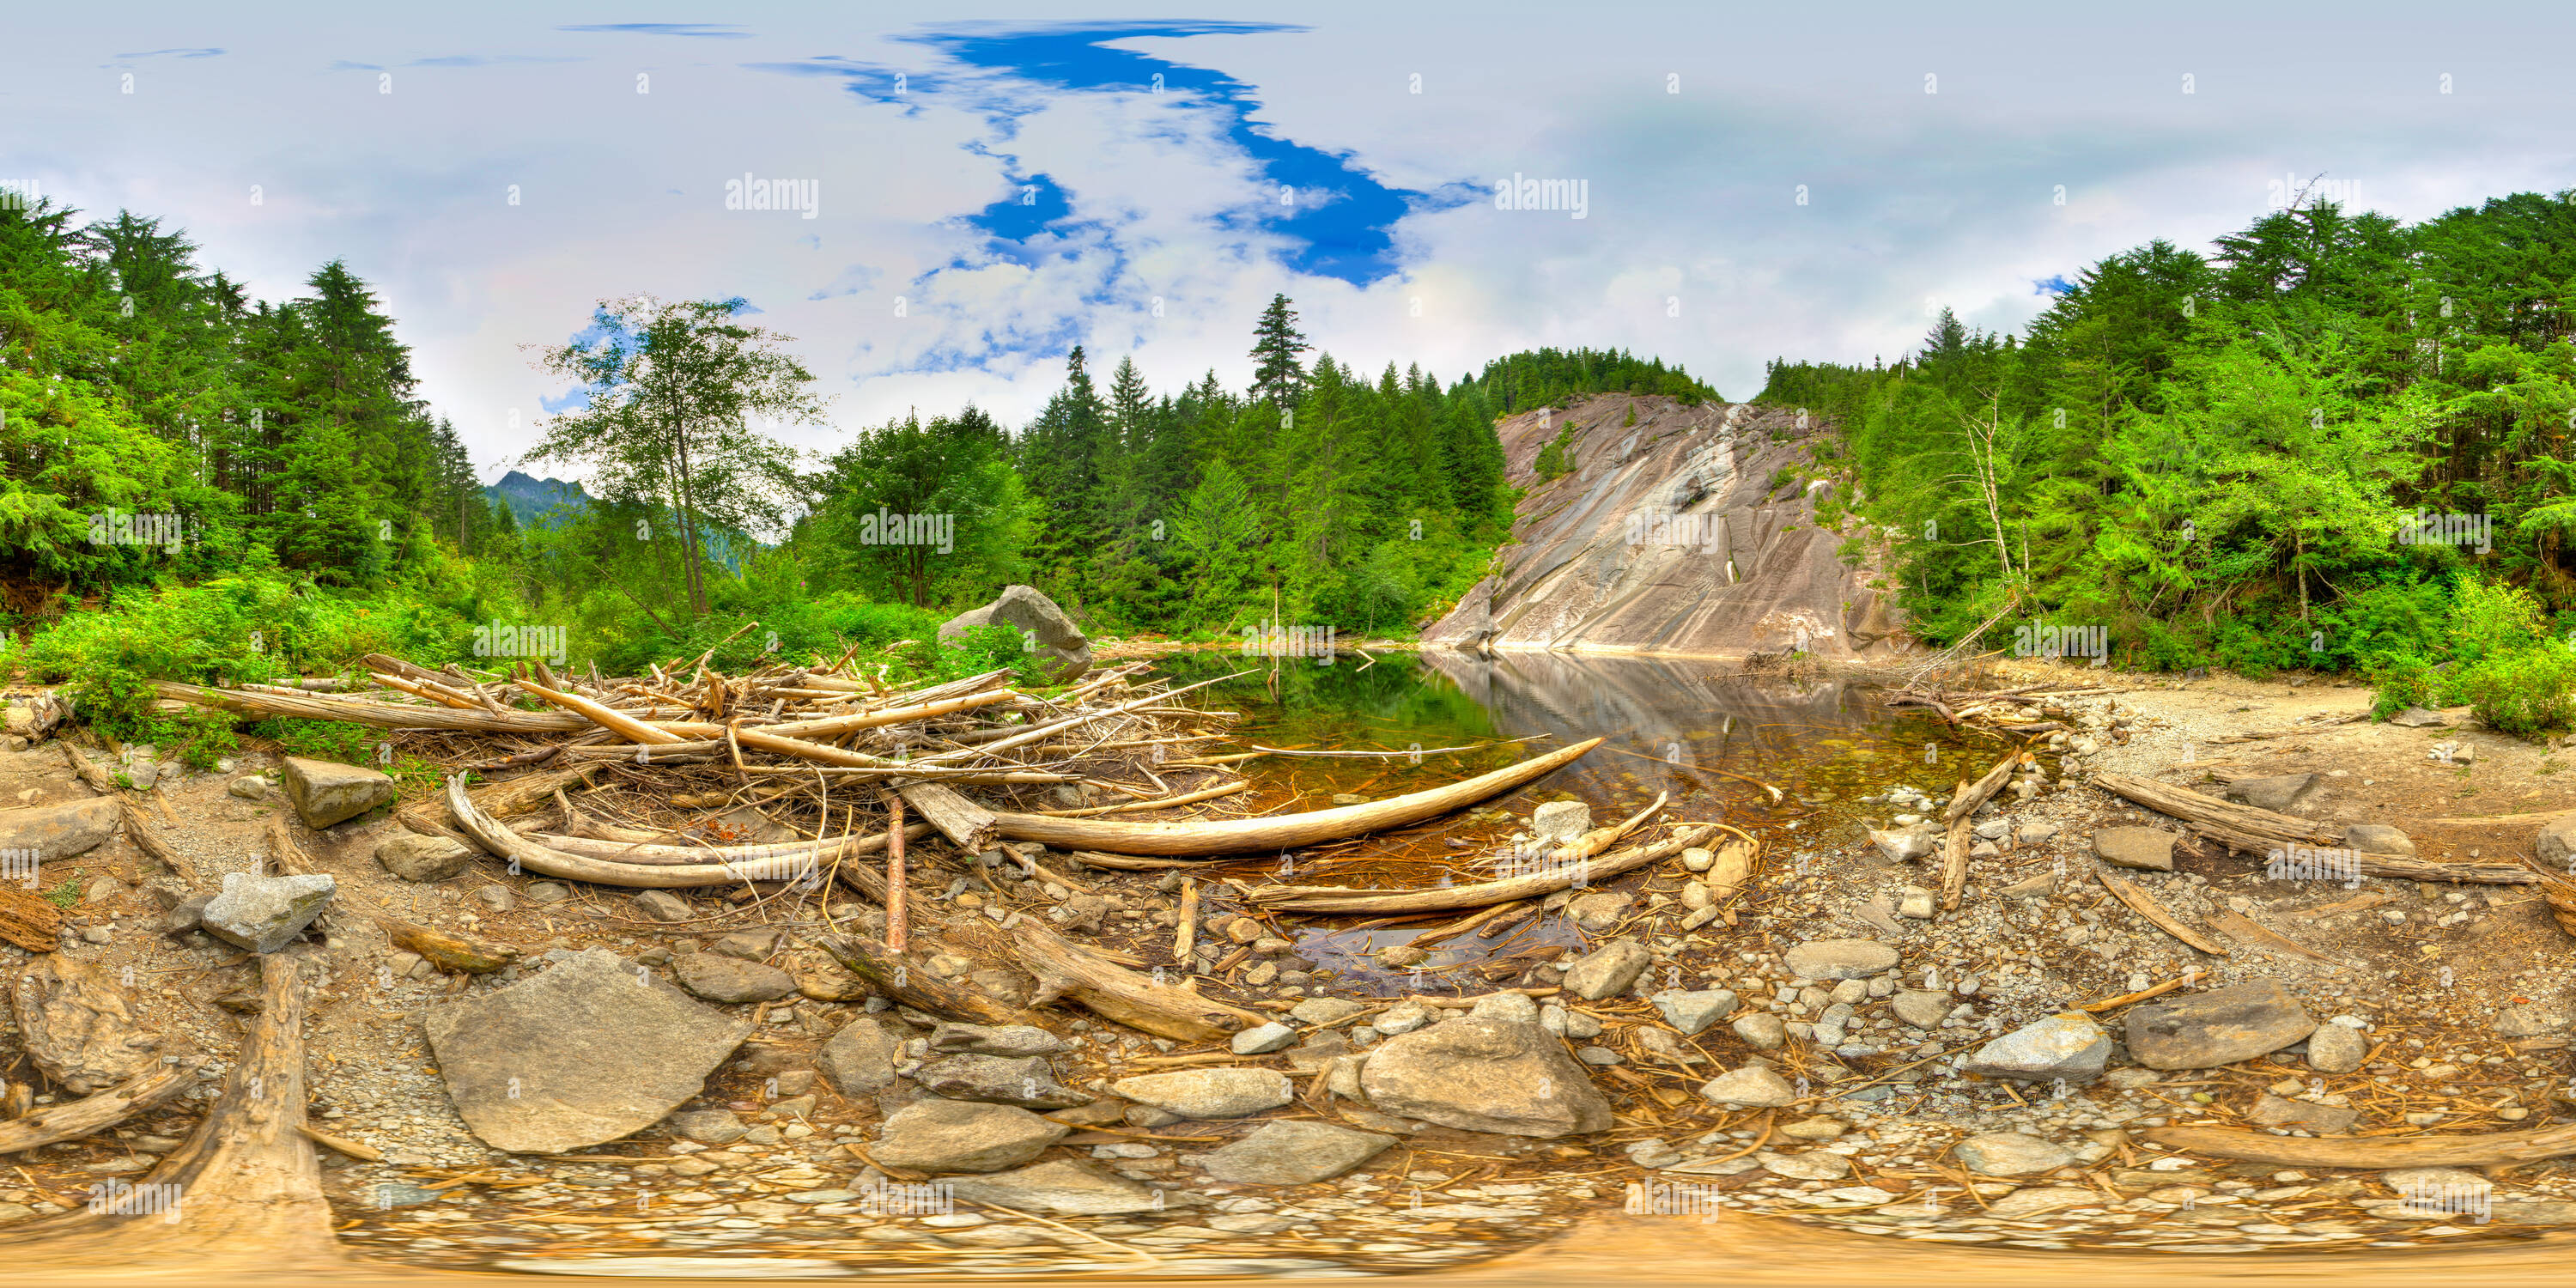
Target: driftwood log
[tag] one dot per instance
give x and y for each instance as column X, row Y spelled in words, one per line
column 497, row 838
column 2143, row 904
column 967, row 825
column 1960, row 821
column 1065, row 969
column 521, row 796
column 2499, row 1149
column 912, row 984
column 1238, row 836
column 98, row 1111
column 1333, row 899
column 2249, row 830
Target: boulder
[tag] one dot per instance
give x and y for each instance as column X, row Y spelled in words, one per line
column 2010, row 1153
column 860, row 1058
column 1027, row 1082
column 1485, row 1075
column 2275, row 792
column 2379, row 838
column 1906, row 844
column 73, row 1022
column 581, row 1054
column 1045, row 628
column 1606, row 970
column 1691, row 1012
column 2557, row 843
column 1209, row 1093
column 2069, row 1045
column 2221, row 1026
column 662, row 905
column 426, row 858
column 1061, row 1187
column 730, row 979
column 54, row 832
column 1291, row 1152
column 325, row 792
column 1755, row 1086
column 2336, row 1048
column 1839, row 959
column 264, row 914
column 2143, row 848
column 1017, row 1040
column 963, row 1136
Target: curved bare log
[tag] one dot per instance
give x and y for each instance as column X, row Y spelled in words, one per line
column 99, row 1111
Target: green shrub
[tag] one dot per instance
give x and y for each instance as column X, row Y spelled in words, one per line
column 2398, row 682
column 2522, row 693
column 1556, row 460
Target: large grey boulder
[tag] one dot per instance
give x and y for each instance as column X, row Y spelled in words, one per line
column 963, row 1136
column 584, row 1053
column 1485, row 1075
column 1048, row 632
column 51, row 832
column 1059, row 1187
column 2071, row 1045
column 1291, row 1152
column 264, row 914
column 325, row 792
column 2221, row 1026
column 1209, row 1093
column 425, row 858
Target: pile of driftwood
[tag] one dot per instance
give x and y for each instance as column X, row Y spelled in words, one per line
column 2022, row 712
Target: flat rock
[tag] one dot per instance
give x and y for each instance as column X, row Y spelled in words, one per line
column 1561, row 821
column 1016, row 1040
column 1761, row 1030
column 2324, row 1120
column 859, row 1059
column 1515, row 1006
column 2275, row 792
column 325, row 792
column 1689, row 1013
column 2419, row 718
column 2557, row 843
column 1839, row 959
column 2143, row 848
column 2034, row 831
column 2221, row 1026
column 1028, row 1082
column 1049, row 633
column 1291, row 1152
column 2033, row 1200
column 1813, row 1165
column 1607, row 970
column 1213, row 1093
column 963, row 1136
column 2531, row 1020
column 426, row 858
column 1754, row 1086
column 264, row 914
column 730, row 979
column 1485, row 1075
column 59, row 831
column 1600, row 910
column 1262, row 1039
column 73, row 1022
column 583, row 1053
column 662, row 905
column 2379, row 838
column 1320, row 1011
column 1922, row 1009
column 2010, row 1153
column 2070, row 1045
column 1059, row 1187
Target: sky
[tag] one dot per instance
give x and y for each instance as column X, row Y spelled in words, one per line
column 969, row 197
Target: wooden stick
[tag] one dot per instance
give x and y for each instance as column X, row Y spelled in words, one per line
column 632, row 729
column 1963, row 805
column 1334, row 899
column 896, row 922
column 1166, row 802
column 2423, row 1151
column 2145, row 906
column 967, row 825
column 2115, row 1003
column 1185, row 937
column 139, row 831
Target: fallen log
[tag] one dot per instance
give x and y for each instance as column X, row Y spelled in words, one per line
column 383, row 715
column 2248, row 830
column 470, row 954
column 1959, row 820
column 2499, row 1149
column 1065, row 969
column 520, row 796
column 497, row 839
column 967, row 825
column 100, row 1110
column 1237, row 836
column 2142, row 904
column 1338, row 899
column 913, row 985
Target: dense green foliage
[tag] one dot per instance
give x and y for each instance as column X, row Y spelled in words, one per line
column 2216, row 458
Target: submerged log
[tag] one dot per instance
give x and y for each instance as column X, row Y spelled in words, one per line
column 1238, row 836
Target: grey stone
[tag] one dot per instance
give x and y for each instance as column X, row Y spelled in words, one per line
column 860, row 1058
column 2379, row 838
column 425, row 858
column 1601, row 910
column 1210, row 1093
column 2143, row 848
column 707, row 1126
column 1839, row 959
column 188, row 915
column 498, row 898
column 2556, row 843
column 264, row 914
column 250, row 787
column 325, row 792
column 1761, row 1030
column 1028, row 1082
column 1994, row 829
column 1514, row 1006
column 662, row 905
column 1813, row 1165
column 2218, row 1027
column 1754, row 1086
column 1905, row 845
column 2275, row 792
column 1060, row 1187
column 731, row 980
column 2324, row 1120
column 1052, row 635
column 2070, row 1045
column 2336, row 1048
column 1018, row 1040
column 1561, row 821
column 1403, row 1017
column 2034, row 831
column 549, row 891
column 1691, row 1012
column 54, row 832
column 2531, row 1020
column 2419, row 718
column 1607, row 970
column 586, row 1052
column 2010, row 1153
column 1292, row 1152
column 1485, row 1075
column 1923, row 1010
column 1320, row 1011
column 963, row 1136
column 1915, row 902
column 1262, row 1039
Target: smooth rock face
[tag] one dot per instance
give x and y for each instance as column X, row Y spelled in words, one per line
column 1839, row 959
column 2143, row 848
column 1485, row 1075
column 1059, row 1187
column 264, row 914
column 425, row 858
column 2335, row 1048
column 1020, row 1040
column 1029, row 1083
column 963, row 1136
column 1561, row 821
column 2276, row 792
column 1061, row 643
column 1291, row 1152
column 1210, row 1093
column 2009, row 1153
column 1691, row 1012
column 73, row 1023
column 2070, row 1045
column 2325, row 1120
column 1755, row 1086
column 730, row 979
column 583, row 1053
column 325, row 792
column 1609, row 969
column 2379, row 838
column 2530, row 1020
column 59, row 831
column 2218, row 1027
column 860, row 1058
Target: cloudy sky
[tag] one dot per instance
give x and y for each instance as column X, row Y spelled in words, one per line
column 971, row 198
